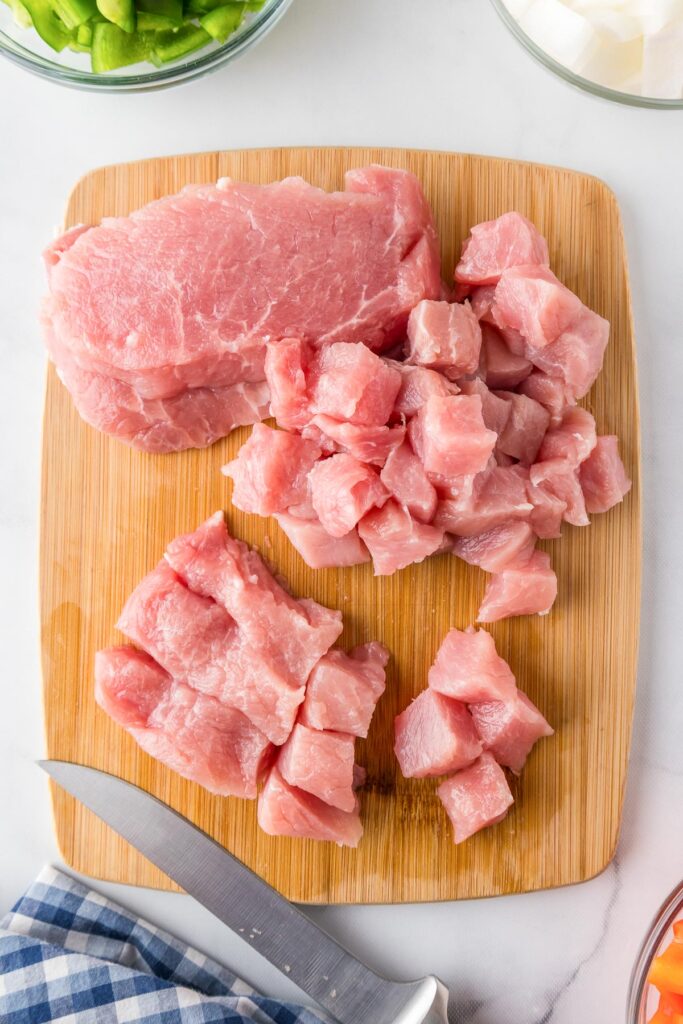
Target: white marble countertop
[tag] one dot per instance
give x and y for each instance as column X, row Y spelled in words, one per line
column 440, row 74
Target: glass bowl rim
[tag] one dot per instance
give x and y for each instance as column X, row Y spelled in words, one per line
column 668, row 912
column 21, row 56
column 628, row 99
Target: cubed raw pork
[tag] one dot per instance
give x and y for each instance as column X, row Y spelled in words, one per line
column 547, row 514
column 404, row 476
column 508, row 241
column 284, row 810
column 468, row 668
column 525, row 428
column 560, row 479
column 286, row 367
column 476, row 797
column 444, row 336
column 531, row 300
column 434, row 735
column 395, row 540
column 510, row 728
column 495, row 411
column 551, row 392
column 418, row 383
column 320, row 763
column 572, row 439
column 499, row 548
column 501, row 367
column 317, row 548
column 603, row 478
column 576, row 355
column 498, row 496
column 197, row 736
column 528, row 589
column 371, row 444
column 343, row 689
column 342, row 491
column 271, row 471
column 349, row 382
column 481, row 301
column 449, row 436
column 291, row 634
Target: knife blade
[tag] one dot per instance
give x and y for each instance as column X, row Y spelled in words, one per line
column 303, row 952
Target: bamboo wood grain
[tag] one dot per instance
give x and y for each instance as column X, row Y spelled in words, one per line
column 108, row 513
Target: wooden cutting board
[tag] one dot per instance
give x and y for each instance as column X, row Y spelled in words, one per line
column 108, row 513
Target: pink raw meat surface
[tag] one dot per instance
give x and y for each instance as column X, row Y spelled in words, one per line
column 498, row 496
column 271, row 471
column 495, row 411
column 444, row 336
column 559, row 479
column 547, row 514
column 576, row 356
column 551, row 392
column 525, row 428
column 476, row 797
column 418, row 383
column 572, row 439
column 509, row 729
column 434, row 735
column 449, row 436
column 495, row 245
column 502, row 368
column 371, row 444
column 343, row 490
column 284, row 810
column 499, row 548
column 603, row 478
column 395, row 540
column 531, row 300
column 291, row 634
column 343, row 689
column 286, row 368
column 320, row 763
column 317, row 548
column 468, row 668
column 173, row 295
column 404, row 476
column 528, row 589
column 197, row 736
column 350, row 383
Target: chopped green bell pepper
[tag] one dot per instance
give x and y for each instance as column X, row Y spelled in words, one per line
column 113, row 48
column 177, row 43
column 46, row 23
column 222, row 21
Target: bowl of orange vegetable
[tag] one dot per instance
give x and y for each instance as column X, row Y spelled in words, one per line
column 656, row 994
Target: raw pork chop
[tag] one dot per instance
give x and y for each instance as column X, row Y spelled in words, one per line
column 434, row 735
column 469, row 669
column 510, row 728
column 186, row 291
column 495, row 245
column 528, row 589
column 271, row 471
column 320, row 763
column 603, row 477
column 343, row 689
column 284, row 810
column 317, row 548
column 476, row 797
column 197, row 736
column 444, row 336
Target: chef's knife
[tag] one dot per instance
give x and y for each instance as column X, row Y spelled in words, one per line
column 346, row 988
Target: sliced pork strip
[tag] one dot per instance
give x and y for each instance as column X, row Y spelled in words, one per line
column 197, row 736
column 290, row 634
column 343, row 490
column 284, row 810
column 396, row 540
column 509, row 729
column 434, row 735
column 343, row 689
column 495, row 245
column 317, row 548
column 320, row 763
column 528, row 589
column 271, row 471
column 468, row 668
column 444, row 336
column 476, row 797
column 602, row 476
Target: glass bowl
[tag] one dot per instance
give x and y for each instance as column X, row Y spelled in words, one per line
column 23, row 46
column 628, row 98
column 643, row 997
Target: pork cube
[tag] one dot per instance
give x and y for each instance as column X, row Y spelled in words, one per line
column 547, row 514
column 286, row 366
column 499, row 548
column 404, row 477
column 395, row 540
column 342, row 491
column 576, row 356
column 284, row 810
column 551, row 392
column 495, row 411
column 501, row 367
column 476, row 797
column 602, row 476
column 444, row 336
column 528, row 589
column 492, row 247
column 509, row 729
column 531, row 300
column 498, row 496
column 371, row 444
column 270, row 471
column 525, row 428
column 434, row 735
column 317, row 548
column 559, row 479
column 418, row 383
column 320, row 763
column 349, row 382
column 481, row 301
column 468, row 668
column 572, row 439
column 343, row 689
column 450, row 437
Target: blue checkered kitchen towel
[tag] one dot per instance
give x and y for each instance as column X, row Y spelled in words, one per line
column 68, row 954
